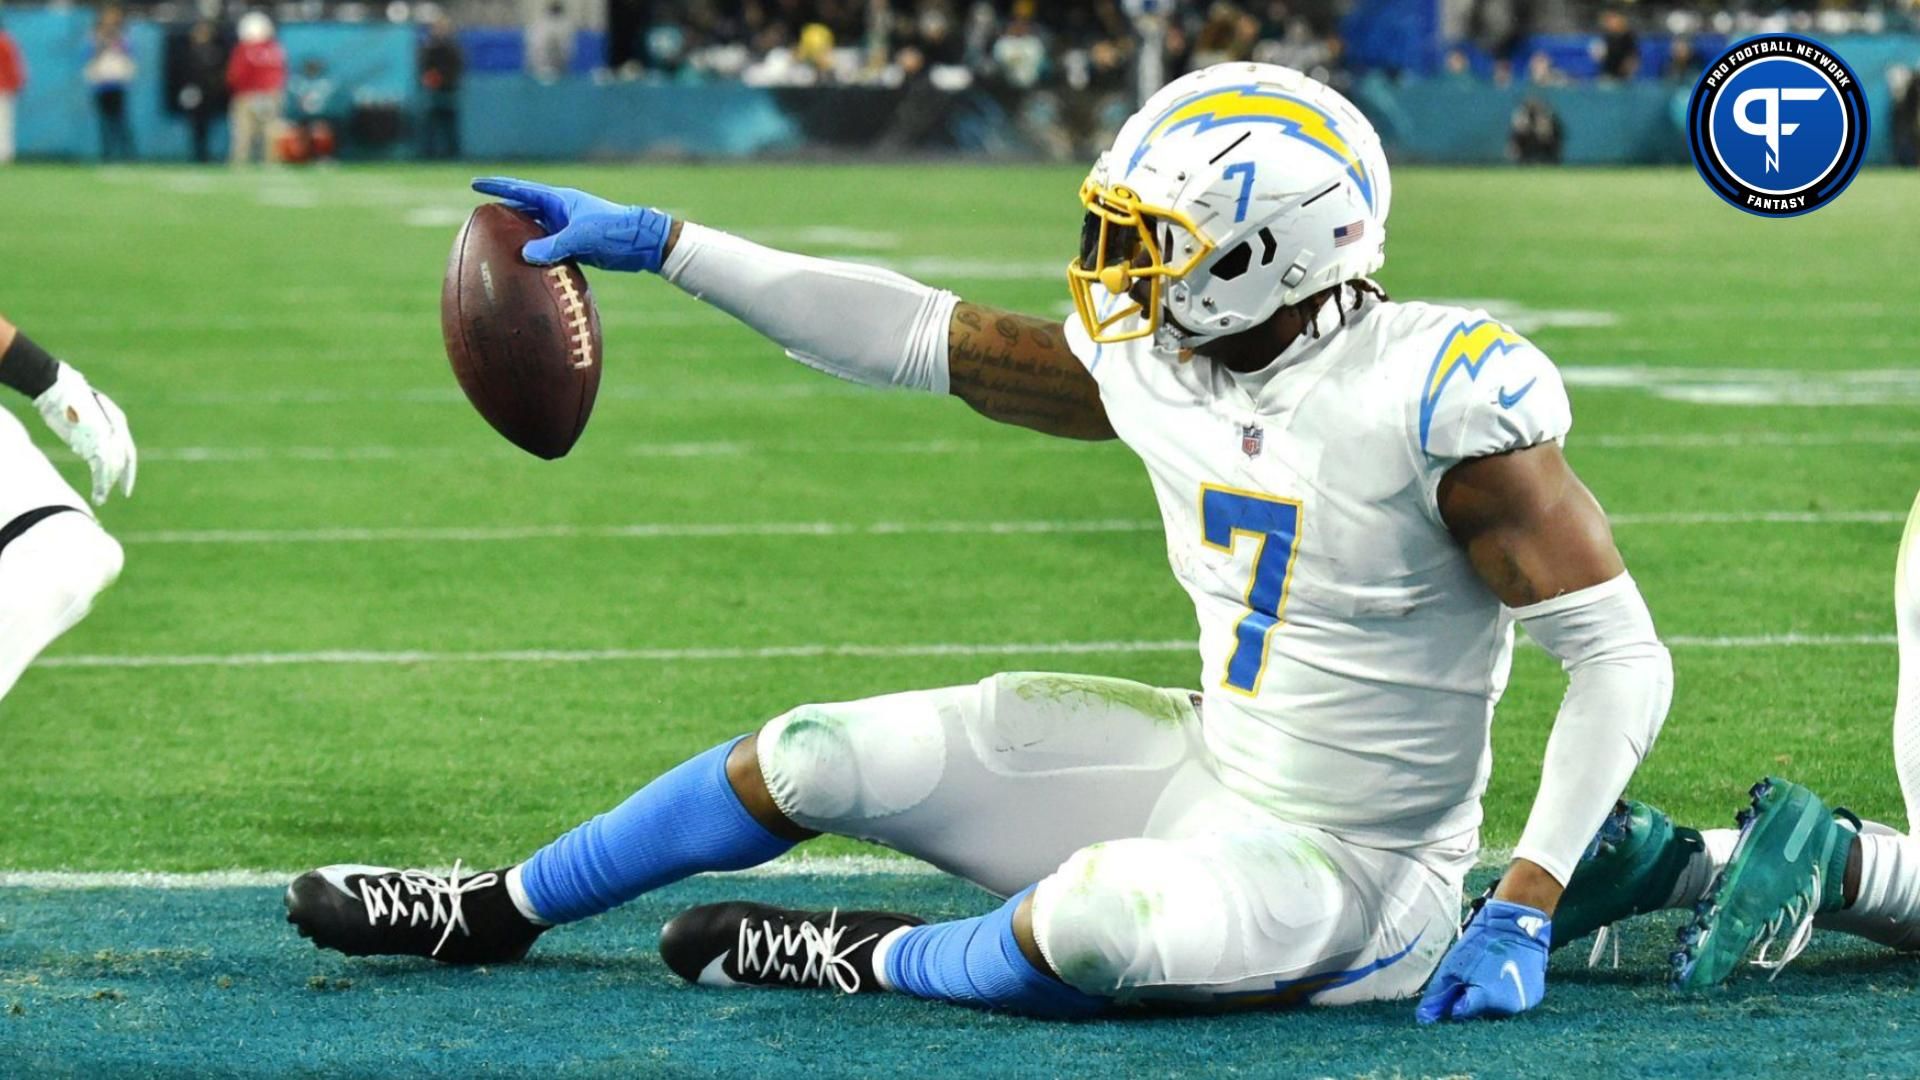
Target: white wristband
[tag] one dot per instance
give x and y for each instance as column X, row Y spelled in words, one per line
column 861, row 323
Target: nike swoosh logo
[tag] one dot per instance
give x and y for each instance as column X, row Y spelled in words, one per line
column 714, row 974
column 1508, row 401
column 1512, row 971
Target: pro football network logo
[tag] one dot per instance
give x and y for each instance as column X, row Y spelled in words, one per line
column 1778, row 125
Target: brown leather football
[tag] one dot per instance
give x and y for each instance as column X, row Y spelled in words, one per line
column 524, row 340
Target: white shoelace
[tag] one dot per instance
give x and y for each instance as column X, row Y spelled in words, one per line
column 806, row 954
column 1797, row 941
column 417, row 896
column 1603, row 937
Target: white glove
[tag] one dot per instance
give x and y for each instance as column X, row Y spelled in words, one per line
column 94, row 427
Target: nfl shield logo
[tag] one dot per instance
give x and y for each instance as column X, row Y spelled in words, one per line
column 1252, row 437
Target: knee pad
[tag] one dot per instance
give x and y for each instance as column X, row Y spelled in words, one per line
column 835, row 767
column 1129, row 915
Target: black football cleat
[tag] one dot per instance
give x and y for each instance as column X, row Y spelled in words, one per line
column 743, row 944
column 378, row 911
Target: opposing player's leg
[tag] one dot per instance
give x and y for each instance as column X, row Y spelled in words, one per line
column 1221, row 906
column 997, row 781
column 54, row 560
column 1793, row 864
column 1797, row 865
column 1906, row 707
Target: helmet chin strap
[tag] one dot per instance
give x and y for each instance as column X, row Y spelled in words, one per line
column 1171, row 337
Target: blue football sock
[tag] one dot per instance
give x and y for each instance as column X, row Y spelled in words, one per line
column 978, row 962
column 687, row 821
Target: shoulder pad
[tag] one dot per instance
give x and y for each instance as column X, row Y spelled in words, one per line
column 1486, row 390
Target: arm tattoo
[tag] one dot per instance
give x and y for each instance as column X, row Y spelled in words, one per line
column 1508, row 579
column 1020, row 371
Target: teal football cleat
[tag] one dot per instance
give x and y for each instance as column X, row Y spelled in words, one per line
column 1631, row 868
column 1788, row 865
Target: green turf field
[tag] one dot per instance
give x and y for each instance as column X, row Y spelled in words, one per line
column 355, row 624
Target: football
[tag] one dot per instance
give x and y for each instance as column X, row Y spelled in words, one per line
column 524, row 340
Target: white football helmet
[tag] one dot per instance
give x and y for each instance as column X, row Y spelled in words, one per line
column 1234, row 191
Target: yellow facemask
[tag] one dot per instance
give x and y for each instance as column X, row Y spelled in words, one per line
column 1119, row 246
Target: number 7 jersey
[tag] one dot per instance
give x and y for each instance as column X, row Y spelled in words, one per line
column 1351, row 656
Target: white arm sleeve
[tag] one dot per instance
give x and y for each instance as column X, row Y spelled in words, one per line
column 1620, row 681
column 861, row 323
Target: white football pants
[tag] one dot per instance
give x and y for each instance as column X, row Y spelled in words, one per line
column 50, row 573
column 1155, row 881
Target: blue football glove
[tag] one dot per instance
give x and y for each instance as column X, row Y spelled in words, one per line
column 1497, row 968
column 584, row 227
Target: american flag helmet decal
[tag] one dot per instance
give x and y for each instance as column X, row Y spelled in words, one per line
column 1347, row 234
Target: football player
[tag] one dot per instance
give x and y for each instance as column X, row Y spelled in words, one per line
column 1793, row 864
column 54, row 557
column 1361, row 497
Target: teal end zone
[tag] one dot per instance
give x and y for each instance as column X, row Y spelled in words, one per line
column 213, row 982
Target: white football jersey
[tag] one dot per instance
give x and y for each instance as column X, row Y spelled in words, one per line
column 28, row 481
column 1352, row 657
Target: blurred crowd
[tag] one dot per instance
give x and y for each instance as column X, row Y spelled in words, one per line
column 1078, row 43
column 1025, row 44
column 1621, row 40
column 233, row 78
column 1063, row 72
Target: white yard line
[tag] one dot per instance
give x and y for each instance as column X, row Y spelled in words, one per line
column 654, row 531
column 1699, row 385
column 458, row 534
column 801, row 652
column 830, row 866
column 822, row 866
column 945, row 266
column 601, row 656
column 1527, row 319
column 1753, row 386
column 1764, row 517
column 428, row 395
column 729, row 448
column 1700, row 440
column 196, row 455
column 1641, row 376
column 1781, row 641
